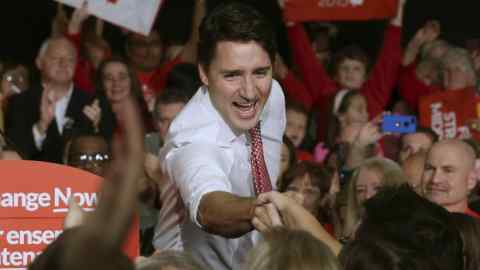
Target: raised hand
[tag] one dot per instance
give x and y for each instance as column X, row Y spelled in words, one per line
column 77, row 19
column 47, row 109
column 370, row 132
column 94, row 113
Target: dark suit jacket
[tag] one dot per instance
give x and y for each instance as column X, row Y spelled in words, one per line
column 23, row 111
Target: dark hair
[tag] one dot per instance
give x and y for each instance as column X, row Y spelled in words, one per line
column 291, row 151
column 334, row 126
column 320, row 176
column 236, row 22
column 351, row 52
column 401, row 218
column 184, row 76
column 170, row 95
column 469, row 228
column 55, row 256
column 381, row 255
column 71, row 145
column 136, row 92
column 296, row 106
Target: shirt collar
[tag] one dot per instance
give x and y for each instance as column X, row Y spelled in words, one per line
column 68, row 96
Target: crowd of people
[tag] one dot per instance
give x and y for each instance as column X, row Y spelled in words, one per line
column 233, row 160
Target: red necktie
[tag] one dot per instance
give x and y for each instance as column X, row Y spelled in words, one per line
column 261, row 179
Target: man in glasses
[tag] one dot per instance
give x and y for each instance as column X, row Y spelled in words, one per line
column 88, row 152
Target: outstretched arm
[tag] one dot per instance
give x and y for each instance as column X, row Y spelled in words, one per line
column 294, row 216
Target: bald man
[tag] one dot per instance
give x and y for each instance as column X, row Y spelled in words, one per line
column 413, row 168
column 450, row 175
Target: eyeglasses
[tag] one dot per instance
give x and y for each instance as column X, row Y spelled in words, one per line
column 82, row 159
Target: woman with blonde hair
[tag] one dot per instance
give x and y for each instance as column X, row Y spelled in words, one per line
column 287, row 249
column 371, row 176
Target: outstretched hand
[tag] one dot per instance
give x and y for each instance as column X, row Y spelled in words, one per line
column 78, row 17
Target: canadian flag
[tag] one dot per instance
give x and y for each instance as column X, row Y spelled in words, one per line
column 135, row 15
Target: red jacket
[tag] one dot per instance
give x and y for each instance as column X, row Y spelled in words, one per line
column 84, row 70
column 411, row 88
column 320, row 88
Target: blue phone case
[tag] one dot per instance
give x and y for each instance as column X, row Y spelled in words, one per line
column 399, row 124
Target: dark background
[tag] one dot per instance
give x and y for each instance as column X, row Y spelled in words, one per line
column 25, row 23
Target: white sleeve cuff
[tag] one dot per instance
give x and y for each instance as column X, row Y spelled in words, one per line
column 38, row 137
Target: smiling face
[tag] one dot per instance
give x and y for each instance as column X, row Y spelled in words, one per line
column 351, row 74
column 116, row 81
column 368, row 184
column 239, row 80
column 296, row 126
column 304, row 192
column 357, row 113
column 57, row 62
column 449, row 175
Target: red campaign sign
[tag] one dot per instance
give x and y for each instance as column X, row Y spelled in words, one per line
column 339, row 10
column 34, row 199
column 448, row 112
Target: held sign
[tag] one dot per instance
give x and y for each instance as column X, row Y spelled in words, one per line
column 34, row 199
column 448, row 112
column 135, row 15
column 335, row 10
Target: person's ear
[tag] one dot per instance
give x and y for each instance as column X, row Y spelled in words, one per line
column 203, row 74
column 474, row 176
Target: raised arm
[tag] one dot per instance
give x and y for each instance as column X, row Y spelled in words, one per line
column 189, row 53
column 428, row 33
column 383, row 78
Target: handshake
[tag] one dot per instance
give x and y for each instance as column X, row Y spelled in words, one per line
column 274, row 209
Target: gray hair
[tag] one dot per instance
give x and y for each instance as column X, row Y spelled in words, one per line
column 47, row 42
column 457, row 55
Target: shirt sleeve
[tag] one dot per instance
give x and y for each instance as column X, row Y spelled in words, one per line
column 38, row 137
column 383, row 78
column 197, row 170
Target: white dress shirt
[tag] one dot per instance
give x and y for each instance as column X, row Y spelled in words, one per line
column 60, row 111
column 202, row 155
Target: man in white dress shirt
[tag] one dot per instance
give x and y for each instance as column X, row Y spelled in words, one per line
column 208, row 148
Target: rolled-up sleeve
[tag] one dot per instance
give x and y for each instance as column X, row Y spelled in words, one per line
column 198, row 169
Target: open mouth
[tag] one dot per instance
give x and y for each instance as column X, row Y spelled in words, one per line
column 246, row 109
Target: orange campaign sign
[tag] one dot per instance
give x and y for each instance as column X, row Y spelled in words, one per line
column 339, row 10
column 448, row 112
column 34, row 198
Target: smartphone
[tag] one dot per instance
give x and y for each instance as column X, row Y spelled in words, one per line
column 399, row 123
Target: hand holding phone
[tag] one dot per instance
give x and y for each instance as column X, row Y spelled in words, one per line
column 402, row 124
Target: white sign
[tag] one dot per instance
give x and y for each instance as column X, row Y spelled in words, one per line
column 135, row 15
